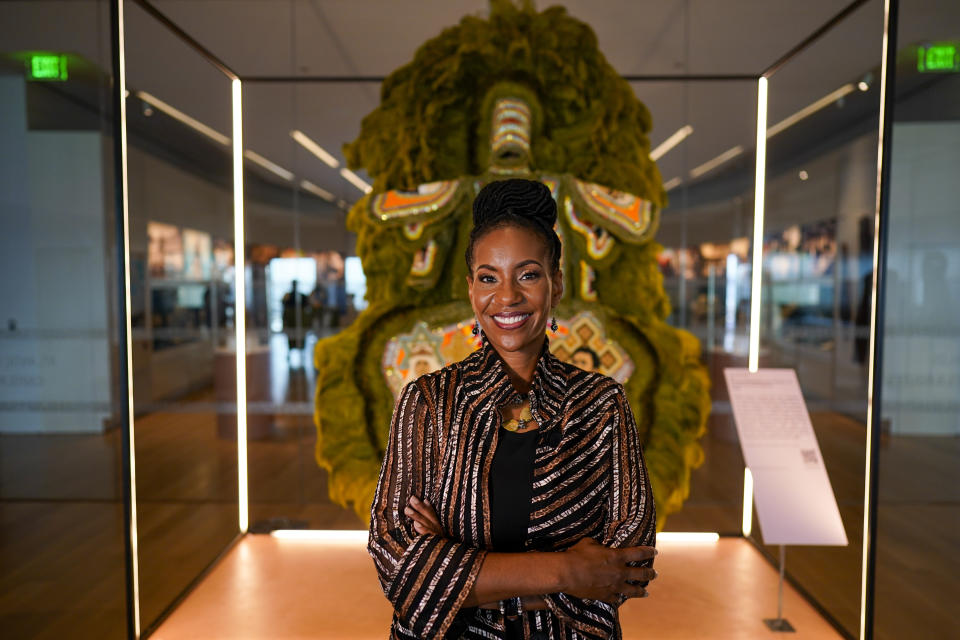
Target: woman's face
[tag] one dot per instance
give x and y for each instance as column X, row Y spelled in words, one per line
column 511, row 288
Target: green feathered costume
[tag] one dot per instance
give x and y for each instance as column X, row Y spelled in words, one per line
column 528, row 94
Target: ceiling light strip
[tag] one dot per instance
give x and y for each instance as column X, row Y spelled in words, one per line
column 811, row 109
column 191, row 122
column 710, row 165
column 679, row 136
column 729, row 154
column 672, row 183
column 268, row 165
column 306, row 185
column 307, row 143
column 355, row 180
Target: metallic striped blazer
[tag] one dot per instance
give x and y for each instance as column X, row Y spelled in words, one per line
column 589, row 480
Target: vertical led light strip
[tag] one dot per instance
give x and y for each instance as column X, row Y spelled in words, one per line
column 760, row 179
column 867, row 502
column 756, row 280
column 240, row 306
column 127, row 319
column 747, row 523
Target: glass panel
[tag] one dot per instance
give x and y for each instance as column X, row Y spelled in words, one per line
column 181, row 256
column 298, row 249
column 705, row 232
column 290, row 223
column 818, row 247
column 919, row 483
column 708, row 220
column 61, row 509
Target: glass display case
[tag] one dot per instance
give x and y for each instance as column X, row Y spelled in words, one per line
column 238, row 259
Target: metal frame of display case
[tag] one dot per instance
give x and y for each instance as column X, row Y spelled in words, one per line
column 119, row 126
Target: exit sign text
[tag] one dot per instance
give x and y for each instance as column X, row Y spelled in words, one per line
column 938, row 57
column 44, row 66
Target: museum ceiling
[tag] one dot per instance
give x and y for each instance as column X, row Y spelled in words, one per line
column 370, row 38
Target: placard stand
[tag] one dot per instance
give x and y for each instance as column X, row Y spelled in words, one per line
column 792, row 492
column 780, row 623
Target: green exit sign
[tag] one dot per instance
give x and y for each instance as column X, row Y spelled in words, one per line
column 45, row 66
column 938, row 57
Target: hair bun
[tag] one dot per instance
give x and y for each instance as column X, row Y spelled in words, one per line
column 516, row 196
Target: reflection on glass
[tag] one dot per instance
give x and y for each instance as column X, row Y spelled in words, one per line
column 918, row 502
column 705, row 268
column 61, row 510
column 299, row 291
column 181, row 252
column 820, row 190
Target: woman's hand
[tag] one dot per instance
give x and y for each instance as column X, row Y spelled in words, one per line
column 597, row 572
column 424, row 518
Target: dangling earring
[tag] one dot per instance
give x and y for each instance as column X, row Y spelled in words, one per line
column 553, row 324
column 476, row 330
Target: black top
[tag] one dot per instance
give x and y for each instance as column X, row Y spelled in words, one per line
column 511, row 489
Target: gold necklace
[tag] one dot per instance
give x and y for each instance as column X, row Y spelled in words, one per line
column 515, row 425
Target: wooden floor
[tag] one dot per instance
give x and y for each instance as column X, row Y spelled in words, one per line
column 61, row 516
column 283, row 589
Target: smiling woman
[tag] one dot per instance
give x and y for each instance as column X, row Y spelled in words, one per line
column 513, row 264
column 497, row 462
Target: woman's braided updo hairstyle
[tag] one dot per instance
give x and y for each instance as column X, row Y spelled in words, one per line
column 520, row 203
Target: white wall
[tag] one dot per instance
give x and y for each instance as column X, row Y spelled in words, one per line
column 921, row 368
column 55, row 367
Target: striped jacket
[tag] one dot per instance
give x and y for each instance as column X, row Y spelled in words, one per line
column 589, row 480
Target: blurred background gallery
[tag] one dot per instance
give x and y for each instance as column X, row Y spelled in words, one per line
column 61, row 454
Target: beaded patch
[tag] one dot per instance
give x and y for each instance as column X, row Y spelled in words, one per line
column 510, row 134
column 552, row 184
column 599, row 242
column 585, row 329
column 423, row 259
column 424, row 349
column 628, row 212
column 428, row 198
column 413, row 230
column 587, row 277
